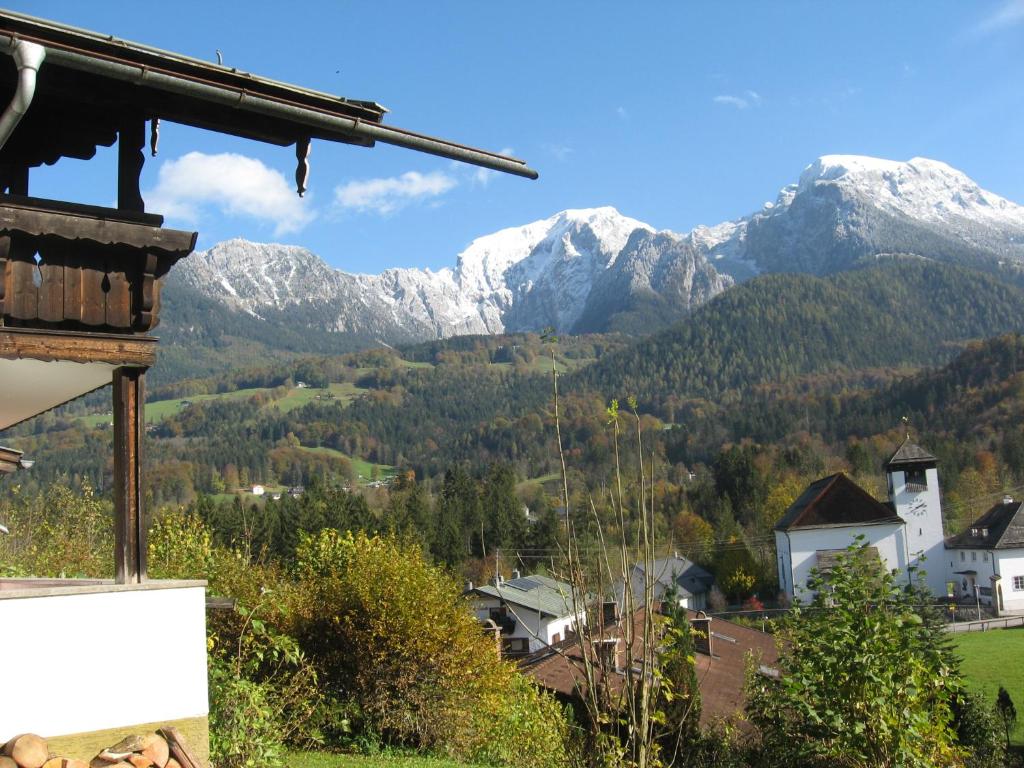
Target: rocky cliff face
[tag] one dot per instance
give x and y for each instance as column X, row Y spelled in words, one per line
column 597, row 270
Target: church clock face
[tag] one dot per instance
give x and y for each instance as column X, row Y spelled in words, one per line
column 918, row 507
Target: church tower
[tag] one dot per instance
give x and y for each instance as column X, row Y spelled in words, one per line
column 914, row 492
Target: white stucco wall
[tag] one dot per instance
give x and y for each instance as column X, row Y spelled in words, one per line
column 980, row 560
column 922, row 511
column 108, row 657
column 1010, row 564
column 539, row 629
column 804, row 544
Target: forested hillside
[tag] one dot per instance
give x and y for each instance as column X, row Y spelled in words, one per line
column 906, row 312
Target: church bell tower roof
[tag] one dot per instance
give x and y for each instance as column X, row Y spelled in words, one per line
column 910, row 455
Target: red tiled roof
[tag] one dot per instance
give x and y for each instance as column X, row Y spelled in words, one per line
column 721, row 676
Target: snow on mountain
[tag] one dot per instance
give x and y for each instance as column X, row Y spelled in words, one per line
column 595, row 269
column 520, row 278
column 849, row 207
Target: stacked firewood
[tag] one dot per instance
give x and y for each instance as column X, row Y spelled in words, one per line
column 166, row 749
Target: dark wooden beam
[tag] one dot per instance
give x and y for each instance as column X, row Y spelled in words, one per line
column 131, row 140
column 17, row 343
column 129, row 515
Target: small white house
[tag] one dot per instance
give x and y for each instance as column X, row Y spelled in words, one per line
column 987, row 560
column 532, row 612
column 258, row 490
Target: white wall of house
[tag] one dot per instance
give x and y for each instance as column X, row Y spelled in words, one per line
column 693, row 602
column 537, row 629
column 80, row 659
column 1010, row 563
column 922, row 511
column 979, row 560
column 799, row 555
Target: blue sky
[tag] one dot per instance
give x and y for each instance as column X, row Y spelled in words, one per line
column 675, row 113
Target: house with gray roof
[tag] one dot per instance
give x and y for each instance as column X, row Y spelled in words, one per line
column 689, row 581
column 986, row 561
column 530, row 612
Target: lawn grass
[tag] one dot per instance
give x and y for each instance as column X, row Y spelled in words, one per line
column 534, row 482
column 991, row 659
column 343, row 392
column 159, row 410
column 362, row 467
column 389, row 760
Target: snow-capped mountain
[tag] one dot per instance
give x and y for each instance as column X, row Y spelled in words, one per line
column 595, row 269
column 846, row 208
column 573, row 271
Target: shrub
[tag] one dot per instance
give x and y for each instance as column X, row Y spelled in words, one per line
column 392, row 635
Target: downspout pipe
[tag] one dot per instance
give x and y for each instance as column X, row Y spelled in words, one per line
column 28, row 57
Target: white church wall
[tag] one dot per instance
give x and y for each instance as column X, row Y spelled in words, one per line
column 805, row 543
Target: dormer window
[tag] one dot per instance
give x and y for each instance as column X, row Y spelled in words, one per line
column 916, row 480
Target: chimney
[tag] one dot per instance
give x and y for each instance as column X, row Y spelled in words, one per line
column 516, row 575
column 498, row 581
column 609, row 653
column 469, row 586
column 1007, row 499
column 701, row 624
column 609, row 612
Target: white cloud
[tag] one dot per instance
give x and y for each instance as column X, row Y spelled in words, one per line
column 385, row 196
column 622, row 112
column 231, row 184
column 1009, row 14
column 731, row 101
column 748, row 99
column 560, row 152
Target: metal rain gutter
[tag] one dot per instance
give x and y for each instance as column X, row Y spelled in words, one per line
column 28, row 57
column 242, row 99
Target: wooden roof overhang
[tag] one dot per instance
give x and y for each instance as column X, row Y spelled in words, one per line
column 90, row 84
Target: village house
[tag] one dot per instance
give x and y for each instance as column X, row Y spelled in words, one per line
column 720, row 663
column 675, row 574
column 530, row 612
column 79, row 297
column 905, row 534
column 986, row 561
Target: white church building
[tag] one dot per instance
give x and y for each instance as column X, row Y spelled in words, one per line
column 905, row 533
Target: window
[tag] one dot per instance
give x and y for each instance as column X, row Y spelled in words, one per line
column 916, row 480
column 984, row 556
column 974, row 557
column 1018, row 583
column 963, row 556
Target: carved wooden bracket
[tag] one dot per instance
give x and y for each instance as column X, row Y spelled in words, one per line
column 302, row 148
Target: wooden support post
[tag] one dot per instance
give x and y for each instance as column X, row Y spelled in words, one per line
column 131, row 140
column 129, row 518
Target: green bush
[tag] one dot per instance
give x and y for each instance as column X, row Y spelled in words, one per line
column 392, row 635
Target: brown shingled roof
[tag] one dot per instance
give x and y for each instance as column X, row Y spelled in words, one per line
column 835, row 500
